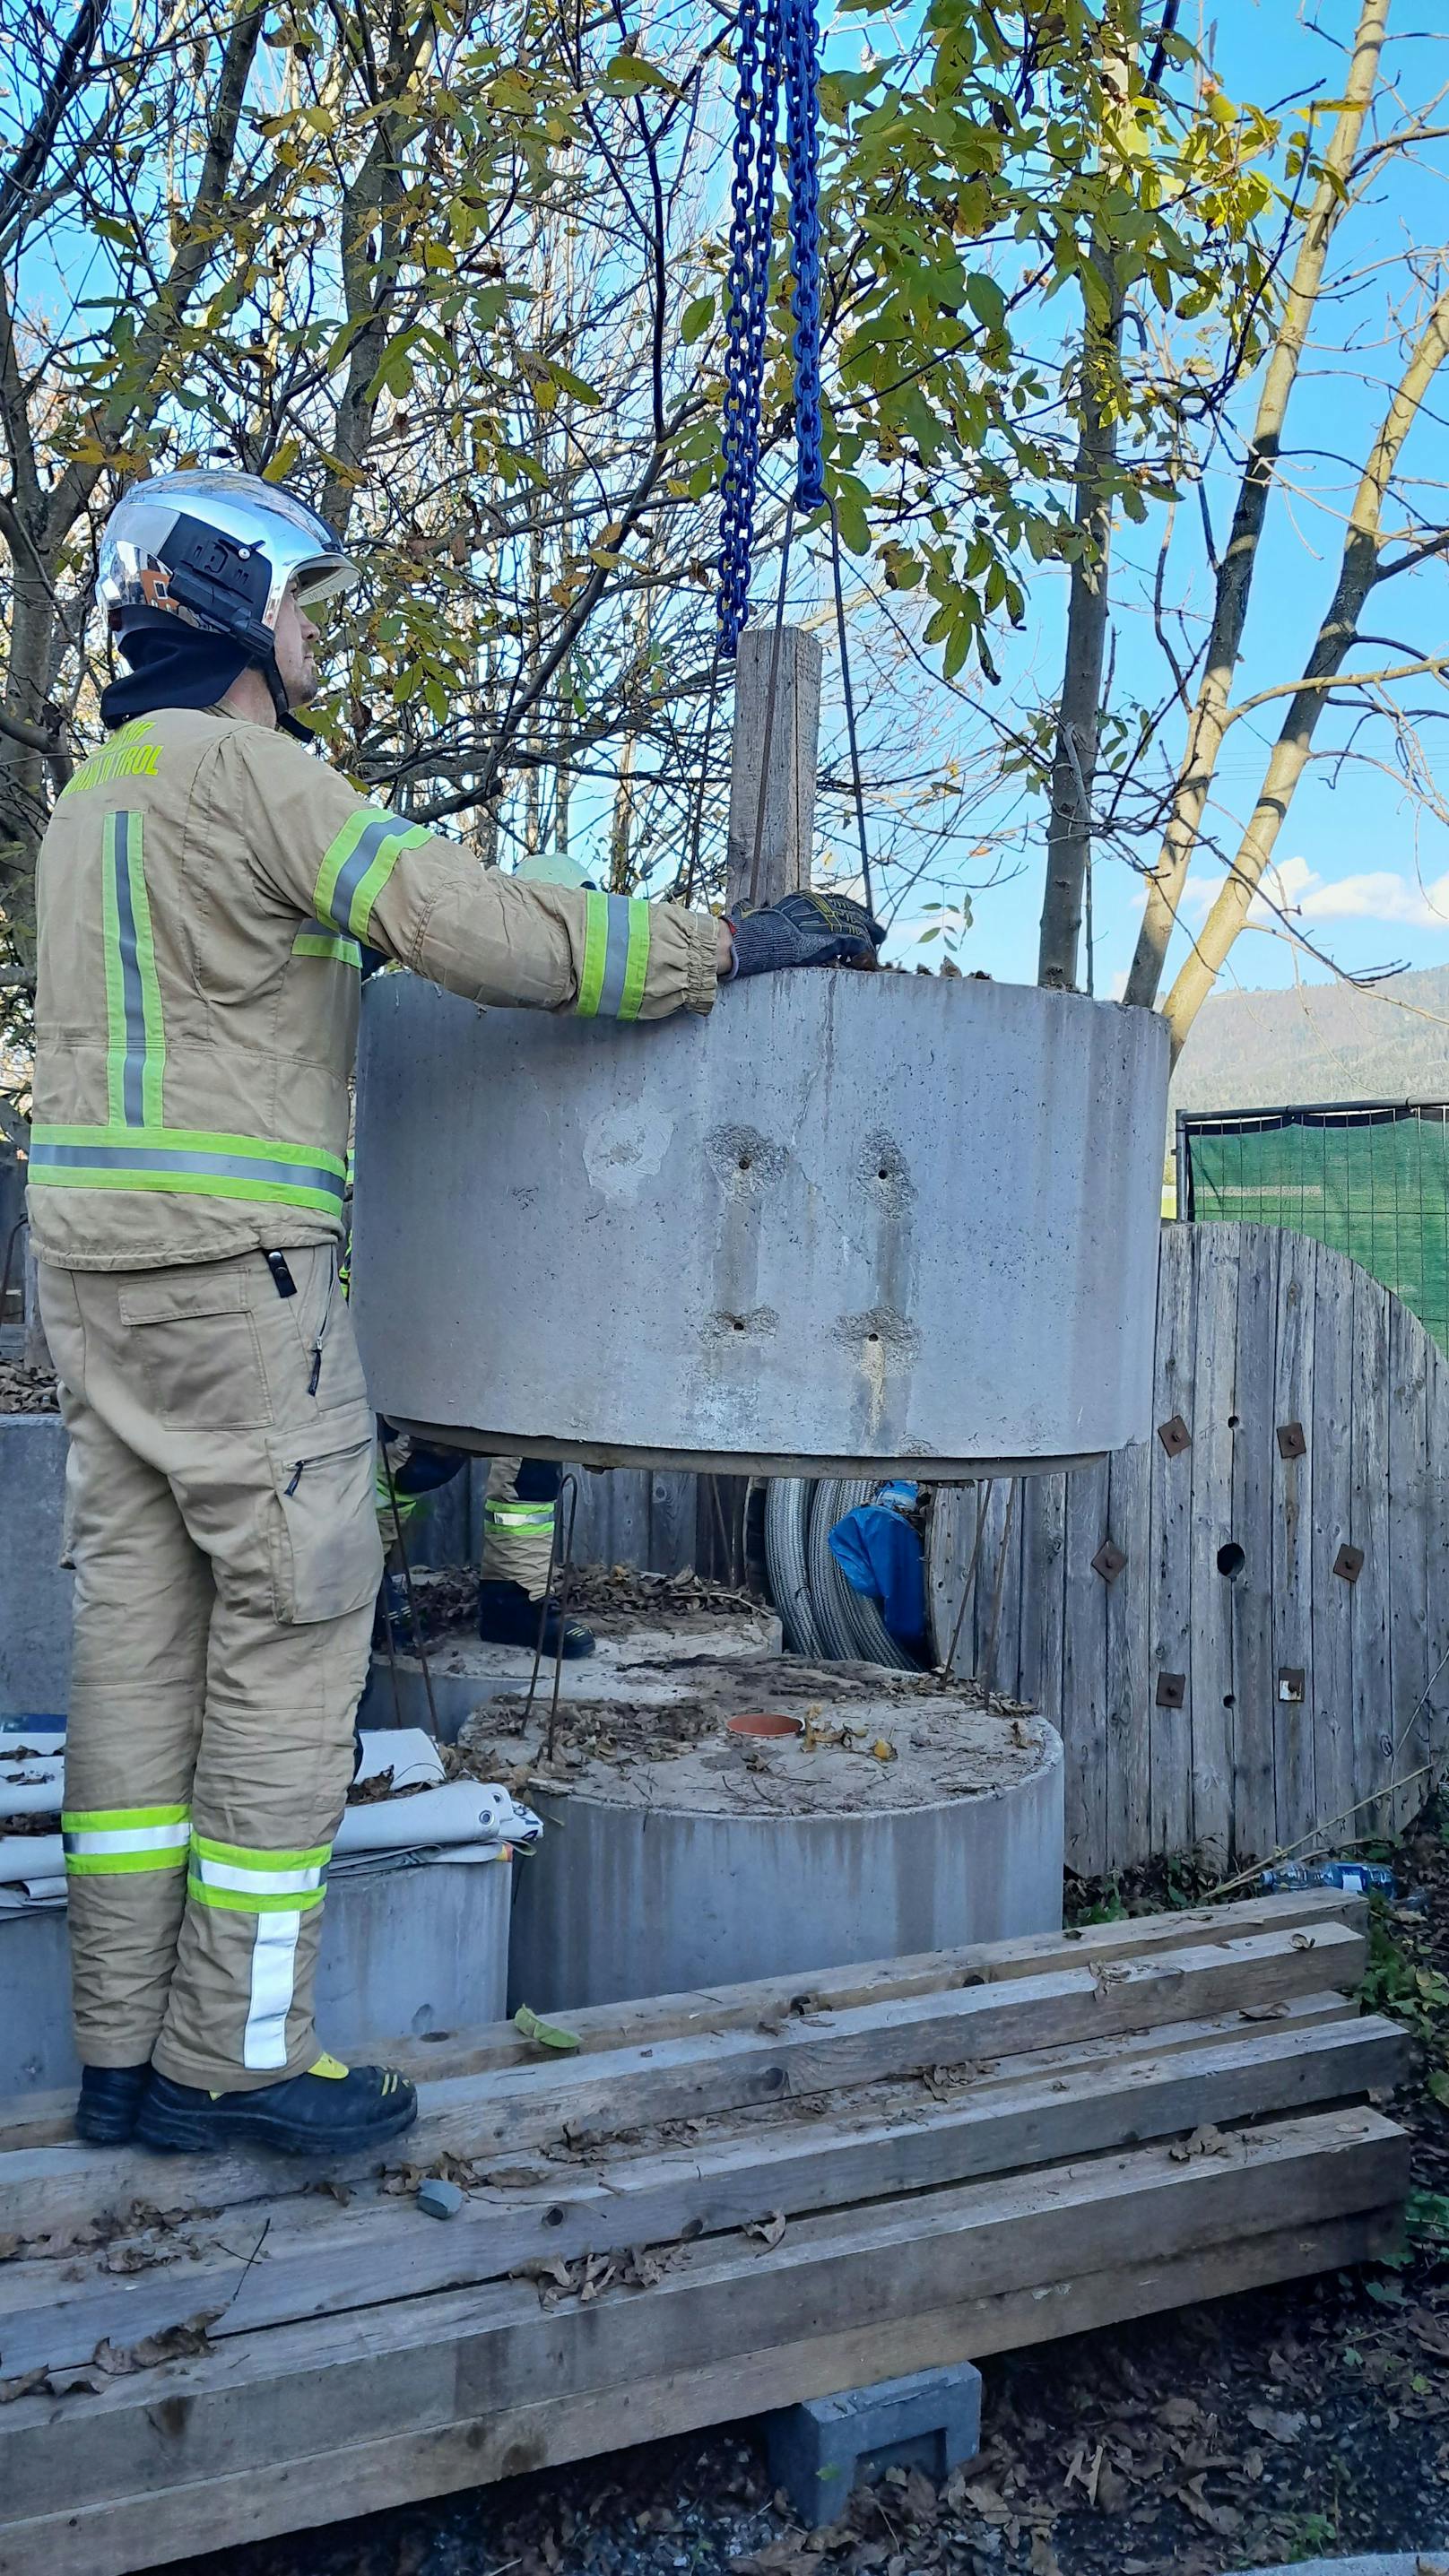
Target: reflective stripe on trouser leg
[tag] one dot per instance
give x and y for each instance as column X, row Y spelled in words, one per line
column 276, row 1889
column 517, row 1533
column 274, row 1983
column 117, row 1842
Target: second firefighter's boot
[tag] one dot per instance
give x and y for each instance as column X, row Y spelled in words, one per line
column 332, row 2110
column 507, row 1617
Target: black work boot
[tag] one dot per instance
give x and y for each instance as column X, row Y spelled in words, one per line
column 110, row 2097
column 507, row 1617
column 332, row 2110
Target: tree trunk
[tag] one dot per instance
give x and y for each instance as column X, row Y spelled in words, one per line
column 1069, row 836
column 1235, row 575
column 1359, row 571
column 24, row 786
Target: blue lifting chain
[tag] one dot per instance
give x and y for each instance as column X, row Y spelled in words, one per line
column 776, row 38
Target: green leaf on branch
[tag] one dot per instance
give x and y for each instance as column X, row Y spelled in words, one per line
column 633, row 72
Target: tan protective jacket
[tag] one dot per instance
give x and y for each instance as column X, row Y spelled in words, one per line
column 204, row 889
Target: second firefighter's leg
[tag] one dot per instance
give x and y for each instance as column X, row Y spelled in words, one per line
column 519, row 1516
column 143, row 1597
column 519, row 1512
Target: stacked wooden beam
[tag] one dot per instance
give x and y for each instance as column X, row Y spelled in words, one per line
column 724, row 2202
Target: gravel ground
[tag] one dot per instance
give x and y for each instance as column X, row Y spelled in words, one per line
column 1280, row 2426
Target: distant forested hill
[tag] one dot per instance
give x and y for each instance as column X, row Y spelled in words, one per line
column 1320, row 1042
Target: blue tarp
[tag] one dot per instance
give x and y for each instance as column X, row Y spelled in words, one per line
column 879, row 1553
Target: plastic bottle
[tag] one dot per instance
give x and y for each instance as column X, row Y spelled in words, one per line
column 1356, row 1877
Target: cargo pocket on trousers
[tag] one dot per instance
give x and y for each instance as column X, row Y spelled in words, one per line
column 326, row 1552
column 194, row 1336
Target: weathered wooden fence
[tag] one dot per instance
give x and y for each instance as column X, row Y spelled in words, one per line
column 1272, row 1652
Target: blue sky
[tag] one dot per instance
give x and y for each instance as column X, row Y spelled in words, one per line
column 1367, row 872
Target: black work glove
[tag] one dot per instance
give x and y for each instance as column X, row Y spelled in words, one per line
column 804, row 930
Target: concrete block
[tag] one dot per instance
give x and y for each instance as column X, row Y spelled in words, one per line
column 848, row 1222
column 405, row 1952
column 35, row 1589
column 819, row 2450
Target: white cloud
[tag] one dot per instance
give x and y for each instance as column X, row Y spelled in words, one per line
column 1379, row 894
column 1296, row 891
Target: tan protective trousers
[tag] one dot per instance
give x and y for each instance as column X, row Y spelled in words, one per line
column 518, row 1519
column 220, row 1522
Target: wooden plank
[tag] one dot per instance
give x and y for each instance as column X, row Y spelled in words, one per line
column 1084, row 1672
column 1043, row 1593
column 292, row 2494
column 38, row 2119
column 1294, row 1777
column 526, row 2107
column 1129, row 1692
column 773, row 751
column 1327, row 2005
column 1210, row 1670
column 1169, row 1609
column 418, row 2362
column 1249, row 1593
column 1332, row 1438
column 314, row 2262
column 1436, row 1711
column 953, row 1509
column 671, row 1523
column 1373, row 1738
column 997, row 1640
column 1007, row 1614
column 1410, row 1484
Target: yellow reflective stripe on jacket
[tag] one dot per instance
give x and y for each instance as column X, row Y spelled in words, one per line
column 136, row 1048
column 616, row 957
column 195, row 1162
column 313, row 940
column 519, row 1516
column 246, row 1881
column 110, row 1842
column 357, row 864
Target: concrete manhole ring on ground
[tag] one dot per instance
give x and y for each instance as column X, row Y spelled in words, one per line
column 903, row 1817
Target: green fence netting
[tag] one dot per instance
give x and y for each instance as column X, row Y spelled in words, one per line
column 1372, row 1181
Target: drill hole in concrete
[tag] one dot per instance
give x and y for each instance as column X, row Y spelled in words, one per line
column 744, row 1164
column 765, row 1721
column 737, row 1323
column 872, row 1337
column 1231, row 1559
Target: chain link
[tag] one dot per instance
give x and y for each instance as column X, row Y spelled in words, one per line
column 777, row 42
column 752, row 197
column 802, row 73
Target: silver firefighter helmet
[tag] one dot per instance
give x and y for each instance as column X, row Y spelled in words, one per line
column 217, row 550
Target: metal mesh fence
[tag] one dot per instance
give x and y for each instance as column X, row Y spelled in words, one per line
column 1371, row 1179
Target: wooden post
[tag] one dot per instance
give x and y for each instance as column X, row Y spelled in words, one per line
column 788, row 765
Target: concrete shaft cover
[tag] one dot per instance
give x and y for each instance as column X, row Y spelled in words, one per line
column 883, row 1221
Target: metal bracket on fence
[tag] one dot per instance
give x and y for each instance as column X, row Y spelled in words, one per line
column 1174, row 1436
column 1349, row 1562
column 1292, row 1440
column 1172, row 1690
column 1109, row 1560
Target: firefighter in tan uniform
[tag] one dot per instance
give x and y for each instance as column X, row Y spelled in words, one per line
column 204, row 889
